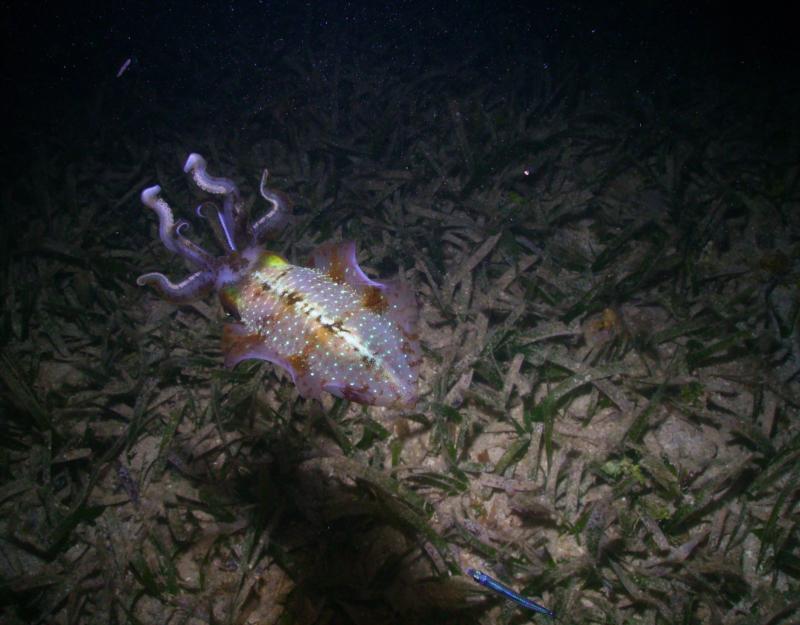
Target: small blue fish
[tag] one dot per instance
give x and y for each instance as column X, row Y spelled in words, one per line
column 484, row 580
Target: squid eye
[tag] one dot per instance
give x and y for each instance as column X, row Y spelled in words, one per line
column 227, row 298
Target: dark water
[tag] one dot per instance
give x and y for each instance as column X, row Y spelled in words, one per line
column 207, row 63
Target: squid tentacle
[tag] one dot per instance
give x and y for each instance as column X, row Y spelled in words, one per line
column 169, row 231
column 275, row 217
column 220, row 229
column 190, row 250
column 196, row 166
column 166, row 223
column 233, row 221
column 232, row 216
column 229, row 223
column 195, row 286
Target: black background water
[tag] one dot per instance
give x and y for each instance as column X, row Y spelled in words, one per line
column 58, row 56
